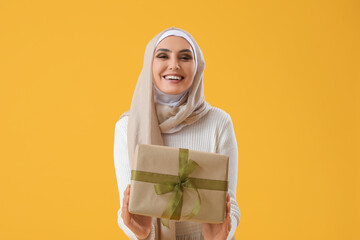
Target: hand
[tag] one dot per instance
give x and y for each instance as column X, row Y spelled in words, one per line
column 218, row 231
column 140, row 225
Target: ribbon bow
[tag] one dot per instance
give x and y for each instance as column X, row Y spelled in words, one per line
column 174, row 206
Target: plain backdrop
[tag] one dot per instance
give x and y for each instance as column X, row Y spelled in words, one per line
column 286, row 71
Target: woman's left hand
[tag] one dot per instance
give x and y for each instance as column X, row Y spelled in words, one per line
column 218, row 231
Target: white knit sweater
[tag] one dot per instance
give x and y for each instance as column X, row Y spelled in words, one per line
column 212, row 133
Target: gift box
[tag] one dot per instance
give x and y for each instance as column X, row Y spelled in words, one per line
column 178, row 184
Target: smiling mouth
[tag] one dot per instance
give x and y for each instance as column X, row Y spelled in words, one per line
column 173, row 77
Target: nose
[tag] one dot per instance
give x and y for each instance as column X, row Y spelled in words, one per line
column 174, row 64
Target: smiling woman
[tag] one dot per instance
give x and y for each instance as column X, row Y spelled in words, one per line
column 168, row 108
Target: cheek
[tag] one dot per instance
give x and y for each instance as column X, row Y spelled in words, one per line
column 191, row 70
column 156, row 68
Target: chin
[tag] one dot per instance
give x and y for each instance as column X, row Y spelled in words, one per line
column 172, row 88
column 172, row 92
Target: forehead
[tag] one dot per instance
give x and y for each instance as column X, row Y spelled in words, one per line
column 174, row 43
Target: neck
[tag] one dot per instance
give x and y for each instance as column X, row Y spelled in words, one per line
column 172, row 100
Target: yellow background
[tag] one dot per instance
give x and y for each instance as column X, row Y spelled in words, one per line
column 286, row 71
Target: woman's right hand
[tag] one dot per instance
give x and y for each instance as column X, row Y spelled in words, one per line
column 140, row 225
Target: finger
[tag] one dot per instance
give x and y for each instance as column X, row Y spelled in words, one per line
column 126, row 189
column 126, row 196
column 125, row 207
column 228, row 206
column 228, row 209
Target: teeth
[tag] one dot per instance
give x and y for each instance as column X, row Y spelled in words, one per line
column 173, row 77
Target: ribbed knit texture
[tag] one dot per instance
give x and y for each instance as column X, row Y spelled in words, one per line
column 213, row 133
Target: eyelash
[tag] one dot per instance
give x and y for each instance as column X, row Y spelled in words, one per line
column 186, row 58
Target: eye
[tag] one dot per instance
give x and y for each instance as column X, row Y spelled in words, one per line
column 162, row 55
column 186, row 57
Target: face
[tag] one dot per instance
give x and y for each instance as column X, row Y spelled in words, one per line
column 173, row 65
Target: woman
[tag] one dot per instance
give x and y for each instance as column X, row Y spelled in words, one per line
column 168, row 108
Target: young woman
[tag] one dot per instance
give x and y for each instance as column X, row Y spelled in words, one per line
column 168, row 108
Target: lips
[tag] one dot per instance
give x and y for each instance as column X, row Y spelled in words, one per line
column 175, row 77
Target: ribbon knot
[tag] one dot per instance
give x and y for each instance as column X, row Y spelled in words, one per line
column 174, row 206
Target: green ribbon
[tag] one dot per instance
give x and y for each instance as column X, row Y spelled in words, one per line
column 165, row 183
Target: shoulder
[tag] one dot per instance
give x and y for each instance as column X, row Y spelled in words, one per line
column 218, row 115
column 122, row 123
column 221, row 121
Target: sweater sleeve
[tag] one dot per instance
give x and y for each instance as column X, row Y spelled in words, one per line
column 227, row 145
column 123, row 172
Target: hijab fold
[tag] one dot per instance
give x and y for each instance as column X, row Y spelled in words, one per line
column 149, row 120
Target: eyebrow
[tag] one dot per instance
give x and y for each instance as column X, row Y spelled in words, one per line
column 168, row 50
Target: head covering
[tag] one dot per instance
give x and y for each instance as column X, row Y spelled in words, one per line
column 173, row 100
column 178, row 33
column 148, row 120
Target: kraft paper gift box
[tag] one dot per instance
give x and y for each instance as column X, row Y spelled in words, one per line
column 178, row 184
